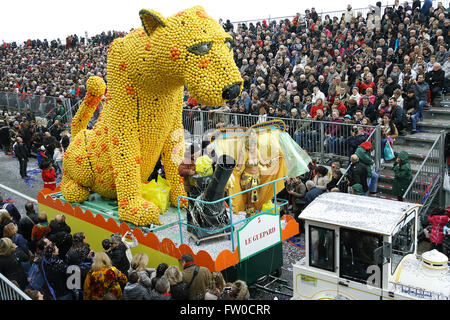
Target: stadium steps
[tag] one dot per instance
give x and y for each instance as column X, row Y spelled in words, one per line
column 417, row 145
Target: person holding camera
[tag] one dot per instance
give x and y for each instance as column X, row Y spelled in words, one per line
column 118, row 253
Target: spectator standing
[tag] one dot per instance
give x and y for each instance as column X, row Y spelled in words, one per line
column 357, row 174
column 237, row 290
column 49, row 143
column 27, row 222
column 217, row 286
column 40, row 230
column 65, row 140
column 58, row 158
column 162, row 290
column 389, row 133
column 21, row 153
column 103, row 279
column 134, row 290
column 178, row 288
column 5, row 204
column 197, row 278
column 10, row 259
column 81, row 255
column 438, row 218
column 160, row 270
column 363, row 153
column 118, row 253
column 60, row 235
column 54, row 270
column 139, row 264
column 133, row 244
column 11, row 231
column 402, row 175
column 446, row 240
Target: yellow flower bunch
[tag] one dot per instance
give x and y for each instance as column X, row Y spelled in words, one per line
column 141, row 119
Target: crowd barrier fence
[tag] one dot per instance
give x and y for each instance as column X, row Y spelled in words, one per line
column 324, row 140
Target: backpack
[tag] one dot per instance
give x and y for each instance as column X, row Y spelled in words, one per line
column 35, row 278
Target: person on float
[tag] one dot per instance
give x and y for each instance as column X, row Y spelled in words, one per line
column 248, row 169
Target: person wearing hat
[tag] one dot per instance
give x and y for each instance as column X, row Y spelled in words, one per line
column 402, row 175
column 363, row 153
column 118, row 253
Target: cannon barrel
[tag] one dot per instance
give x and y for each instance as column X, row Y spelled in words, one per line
column 224, row 168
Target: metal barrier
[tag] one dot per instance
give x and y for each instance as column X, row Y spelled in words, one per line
column 326, row 141
column 374, row 139
column 427, row 182
column 41, row 106
column 228, row 199
column 9, row 291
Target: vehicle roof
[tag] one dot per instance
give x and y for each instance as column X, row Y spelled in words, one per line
column 364, row 213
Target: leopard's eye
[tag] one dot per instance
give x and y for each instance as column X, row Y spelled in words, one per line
column 200, row 49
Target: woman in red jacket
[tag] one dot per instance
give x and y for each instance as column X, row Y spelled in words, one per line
column 438, row 218
column 48, row 174
column 317, row 105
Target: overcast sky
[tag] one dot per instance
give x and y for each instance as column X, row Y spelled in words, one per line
column 33, row 19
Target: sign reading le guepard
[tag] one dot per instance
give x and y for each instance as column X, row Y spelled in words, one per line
column 260, row 233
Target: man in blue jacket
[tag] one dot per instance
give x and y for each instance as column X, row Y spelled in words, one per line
column 312, row 193
column 421, row 88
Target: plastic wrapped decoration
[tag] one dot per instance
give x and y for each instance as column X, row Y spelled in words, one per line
column 269, row 205
column 157, row 192
column 203, row 166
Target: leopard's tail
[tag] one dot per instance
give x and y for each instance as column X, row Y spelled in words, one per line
column 96, row 88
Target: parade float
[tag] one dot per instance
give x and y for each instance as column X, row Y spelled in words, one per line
column 105, row 187
column 365, row 248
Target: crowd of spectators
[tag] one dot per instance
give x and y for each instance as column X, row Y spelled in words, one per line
column 23, row 136
column 282, row 62
column 54, row 69
column 392, row 62
column 38, row 255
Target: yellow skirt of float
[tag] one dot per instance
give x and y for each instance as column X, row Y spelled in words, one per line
column 97, row 227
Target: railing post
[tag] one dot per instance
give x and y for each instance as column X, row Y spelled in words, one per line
column 378, row 147
column 201, row 124
column 441, row 167
column 322, row 147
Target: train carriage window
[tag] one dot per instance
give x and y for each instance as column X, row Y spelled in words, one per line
column 403, row 240
column 321, row 244
column 357, row 254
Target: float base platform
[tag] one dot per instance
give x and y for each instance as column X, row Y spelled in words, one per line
column 98, row 219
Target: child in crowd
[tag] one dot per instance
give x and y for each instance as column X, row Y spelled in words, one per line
column 48, row 174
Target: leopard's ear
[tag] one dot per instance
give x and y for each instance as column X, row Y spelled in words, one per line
column 151, row 20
